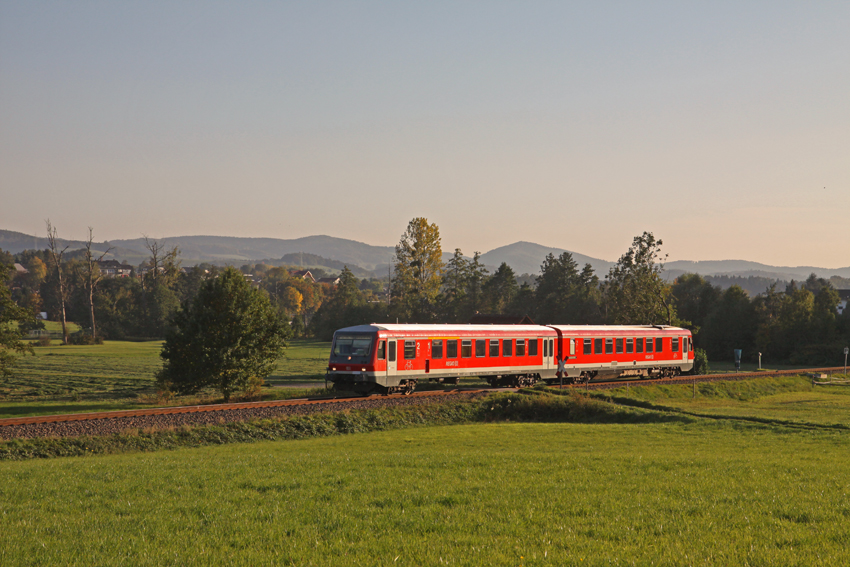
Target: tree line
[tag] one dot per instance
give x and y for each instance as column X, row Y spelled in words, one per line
column 798, row 324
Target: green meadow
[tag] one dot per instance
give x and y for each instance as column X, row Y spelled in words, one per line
column 697, row 492
column 121, row 374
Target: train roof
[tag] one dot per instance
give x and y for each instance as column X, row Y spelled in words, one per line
column 618, row 328
column 440, row 328
column 452, row 328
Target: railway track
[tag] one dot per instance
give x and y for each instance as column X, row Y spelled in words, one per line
column 95, row 422
column 220, row 407
column 700, row 378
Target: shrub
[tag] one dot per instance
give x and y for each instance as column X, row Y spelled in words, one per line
column 700, row 362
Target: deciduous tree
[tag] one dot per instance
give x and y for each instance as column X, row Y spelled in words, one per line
column 418, row 264
column 61, row 280
column 228, row 338
column 11, row 317
column 635, row 294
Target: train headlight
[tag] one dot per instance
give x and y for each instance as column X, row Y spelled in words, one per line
column 363, row 370
column 334, row 368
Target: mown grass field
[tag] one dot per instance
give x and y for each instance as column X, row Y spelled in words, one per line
column 120, row 375
column 699, row 493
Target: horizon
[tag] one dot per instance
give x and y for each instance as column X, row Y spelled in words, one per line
column 721, row 129
column 447, row 250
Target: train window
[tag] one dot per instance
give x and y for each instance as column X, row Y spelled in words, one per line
column 597, row 346
column 609, row 346
column 588, row 346
column 409, row 350
column 436, row 348
column 648, row 345
column 619, row 346
column 382, row 350
column 392, row 352
column 659, row 346
column 676, row 344
column 520, row 347
column 639, row 345
column 545, row 348
column 630, row 347
column 532, row 347
column 551, row 347
column 480, row 348
column 494, row 347
column 466, row 348
column 572, row 347
column 451, row 349
column 507, row 347
column 685, row 344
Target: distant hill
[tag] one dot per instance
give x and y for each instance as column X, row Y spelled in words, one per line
column 15, row 242
column 523, row 257
column 744, row 268
column 196, row 249
column 526, row 258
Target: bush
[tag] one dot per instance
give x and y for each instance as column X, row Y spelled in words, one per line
column 700, row 362
column 84, row 338
column 43, row 340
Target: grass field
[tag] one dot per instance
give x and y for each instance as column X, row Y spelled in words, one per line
column 786, row 400
column 748, row 472
column 120, row 375
column 501, row 494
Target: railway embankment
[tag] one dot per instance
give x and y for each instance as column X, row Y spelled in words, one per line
column 787, row 403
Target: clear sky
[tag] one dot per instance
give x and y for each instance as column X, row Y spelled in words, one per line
column 722, row 127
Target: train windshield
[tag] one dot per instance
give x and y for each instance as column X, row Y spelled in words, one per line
column 350, row 347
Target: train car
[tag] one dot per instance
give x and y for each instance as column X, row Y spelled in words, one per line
column 611, row 351
column 391, row 358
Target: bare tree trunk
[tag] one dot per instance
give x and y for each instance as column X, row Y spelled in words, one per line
column 93, row 276
column 56, row 256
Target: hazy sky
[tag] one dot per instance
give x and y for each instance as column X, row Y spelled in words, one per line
column 722, row 127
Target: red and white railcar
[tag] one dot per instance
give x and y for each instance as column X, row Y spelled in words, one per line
column 609, row 351
column 393, row 358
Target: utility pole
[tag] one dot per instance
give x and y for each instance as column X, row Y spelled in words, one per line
column 846, row 350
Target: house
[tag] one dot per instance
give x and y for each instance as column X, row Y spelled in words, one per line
column 329, row 281
column 20, row 269
column 844, row 297
column 303, row 274
column 114, row 269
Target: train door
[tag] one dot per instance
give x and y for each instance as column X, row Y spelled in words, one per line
column 392, row 356
column 548, row 353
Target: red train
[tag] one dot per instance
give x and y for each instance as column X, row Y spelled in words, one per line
column 393, row 358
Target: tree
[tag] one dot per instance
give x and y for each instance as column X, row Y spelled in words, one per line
column 61, row 281
column 501, row 289
column 565, row 295
column 418, row 264
column 91, row 275
column 159, row 298
column 11, row 316
column 228, row 338
column 345, row 307
column 730, row 325
column 635, row 294
column 453, row 295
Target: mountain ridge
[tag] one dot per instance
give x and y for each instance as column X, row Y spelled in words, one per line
column 522, row 256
